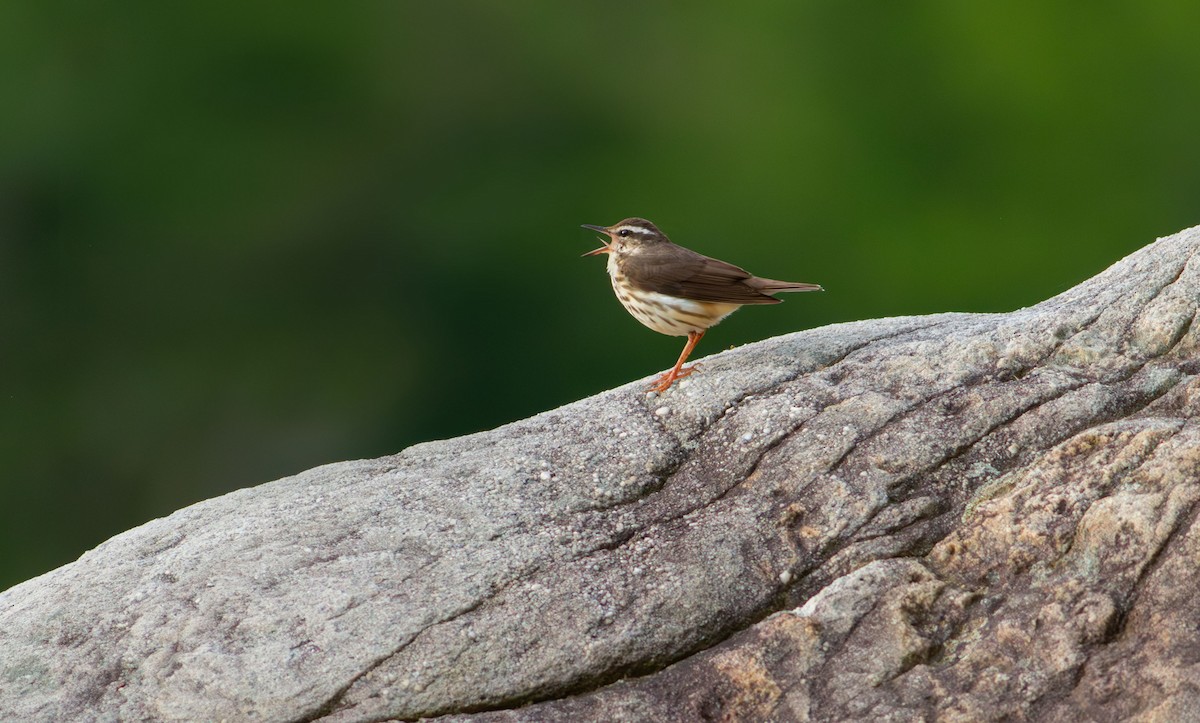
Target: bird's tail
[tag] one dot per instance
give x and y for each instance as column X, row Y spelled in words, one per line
column 771, row 286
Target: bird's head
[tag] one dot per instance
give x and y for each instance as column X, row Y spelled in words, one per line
column 627, row 236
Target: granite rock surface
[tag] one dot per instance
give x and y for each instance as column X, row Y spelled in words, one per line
column 955, row 517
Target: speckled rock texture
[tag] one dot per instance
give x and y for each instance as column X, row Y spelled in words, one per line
column 958, row 517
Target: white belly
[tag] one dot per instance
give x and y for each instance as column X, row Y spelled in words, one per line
column 671, row 315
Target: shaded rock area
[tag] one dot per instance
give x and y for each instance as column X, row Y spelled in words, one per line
column 957, row 517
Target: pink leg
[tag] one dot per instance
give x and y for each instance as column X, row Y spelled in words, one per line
column 668, row 378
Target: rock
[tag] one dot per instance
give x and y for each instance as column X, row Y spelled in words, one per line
column 956, row 517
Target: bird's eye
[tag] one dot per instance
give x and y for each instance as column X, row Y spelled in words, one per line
column 623, row 232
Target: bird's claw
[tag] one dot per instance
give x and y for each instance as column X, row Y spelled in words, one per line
column 666, row 379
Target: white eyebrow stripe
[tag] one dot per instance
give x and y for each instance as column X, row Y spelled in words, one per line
column 634, row 229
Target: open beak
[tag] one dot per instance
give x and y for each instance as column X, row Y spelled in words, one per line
column 606, row 248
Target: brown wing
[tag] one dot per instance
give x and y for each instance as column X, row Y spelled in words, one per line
column 676, row 271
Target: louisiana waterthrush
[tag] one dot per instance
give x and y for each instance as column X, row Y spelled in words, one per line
column 676, row 291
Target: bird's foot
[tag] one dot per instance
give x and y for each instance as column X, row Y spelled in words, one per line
column 666, row 379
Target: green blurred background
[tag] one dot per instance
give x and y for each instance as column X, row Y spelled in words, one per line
column 238, row 240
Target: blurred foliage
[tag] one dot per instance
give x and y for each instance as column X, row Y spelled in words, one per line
column 240, row 240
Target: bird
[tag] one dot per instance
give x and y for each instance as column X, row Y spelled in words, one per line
column 677, row 291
